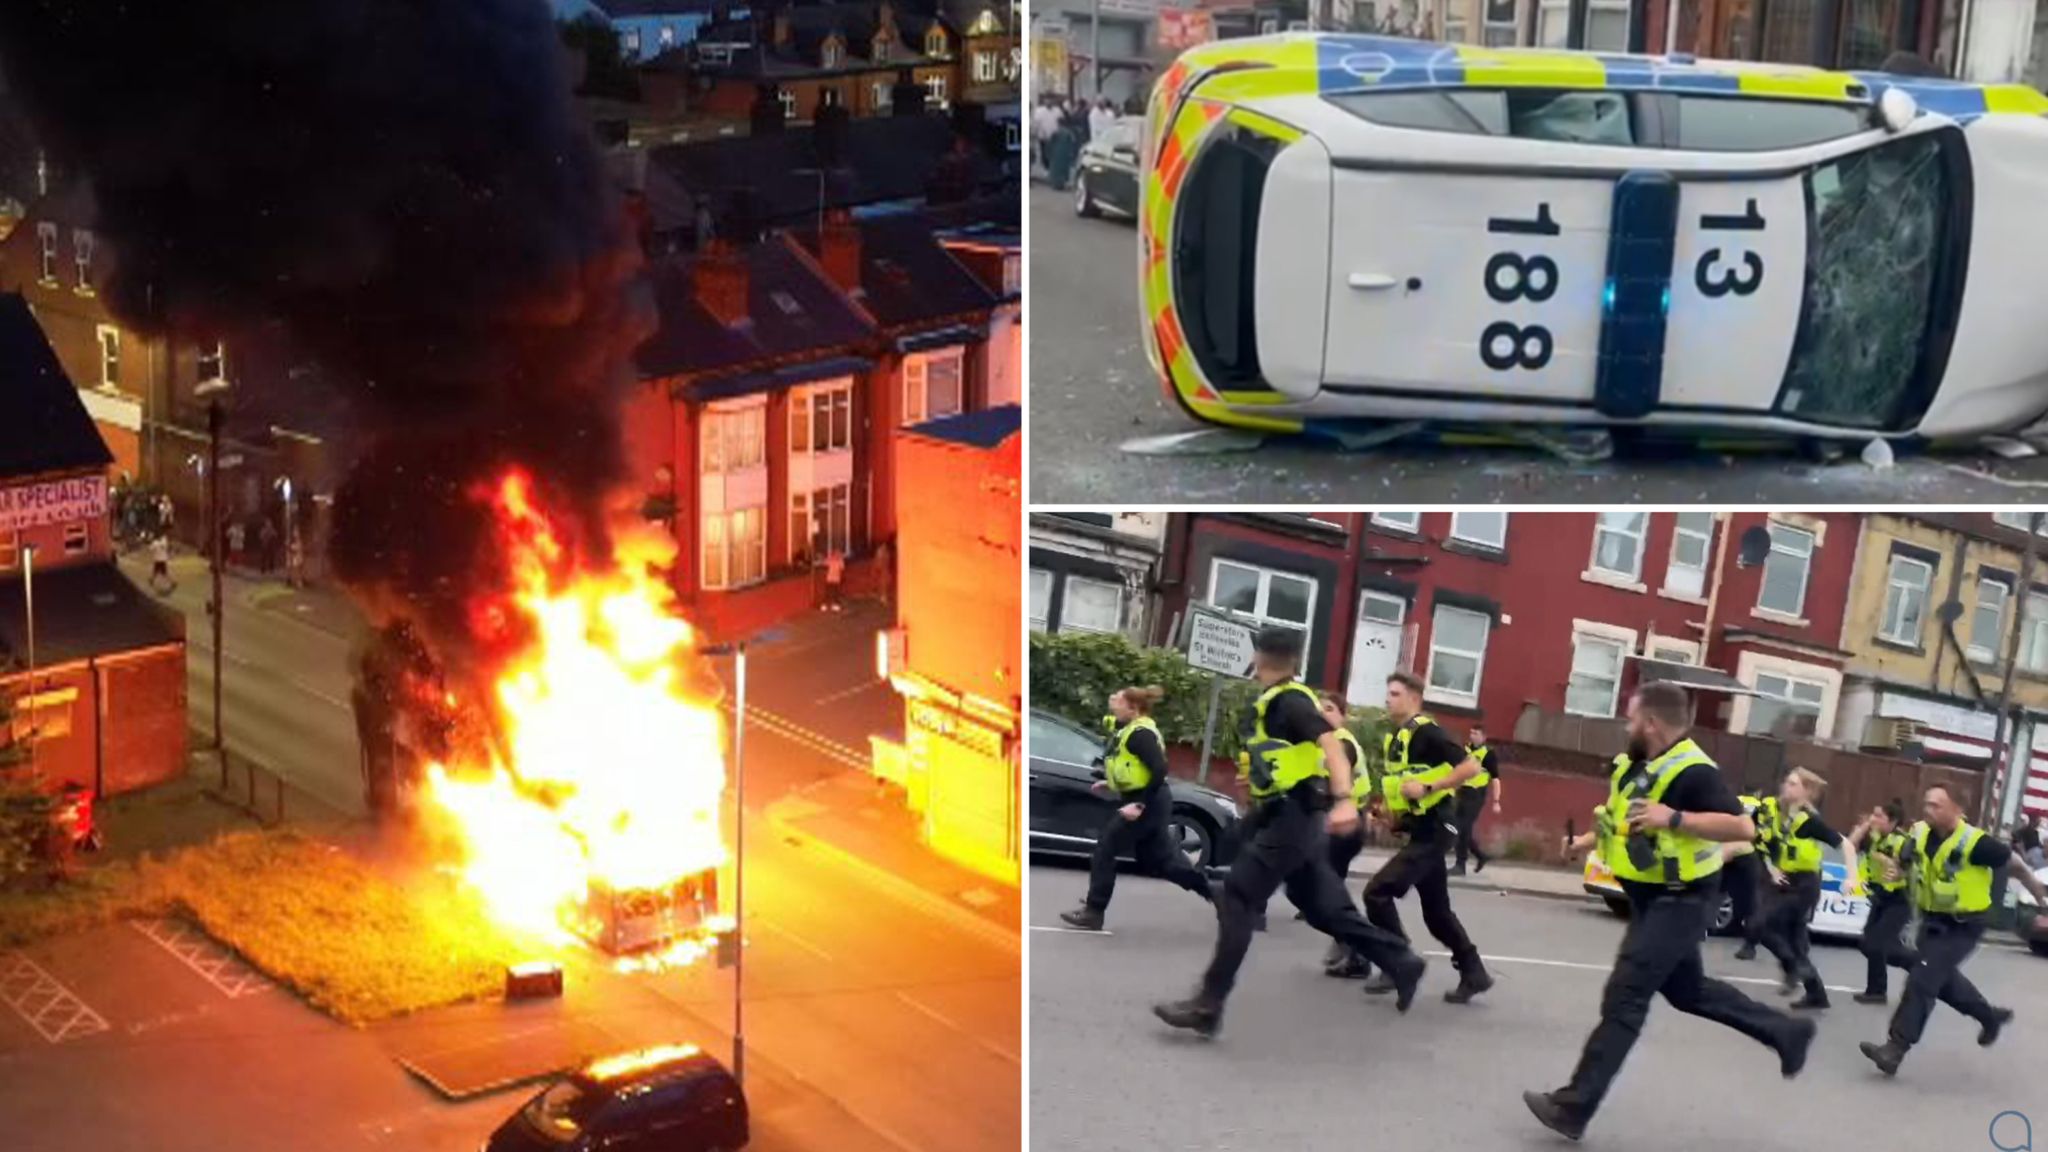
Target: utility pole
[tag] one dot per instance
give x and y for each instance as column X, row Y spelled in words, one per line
column 1095, row 48
column 28, row 592
column 216, row 610
column 1994, row 792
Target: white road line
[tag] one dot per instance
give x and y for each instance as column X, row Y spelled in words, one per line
column 217, row 965
column 791, row 730
column 53, row 1010
column 843, row 693
column 945, row 1021
column 1072, row 931
column 797, row 940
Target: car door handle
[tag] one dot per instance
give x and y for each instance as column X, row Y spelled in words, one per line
column 1371, row 281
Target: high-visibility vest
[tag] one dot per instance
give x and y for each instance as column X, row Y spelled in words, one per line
column 1361, row 778
column 1271, row 767
column 1661, row 855
column 1887, row 846
column 1485, row 775
column 1399, row 771
column 1949, row 883
column 1750, row 807
column 1795, row 852
column 1128, row 774
column 1766, row 817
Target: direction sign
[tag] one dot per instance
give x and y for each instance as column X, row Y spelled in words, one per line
column 1219, row 644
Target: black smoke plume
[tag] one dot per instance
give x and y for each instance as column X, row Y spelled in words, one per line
column 406, row 185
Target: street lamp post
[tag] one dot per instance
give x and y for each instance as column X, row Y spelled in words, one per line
column 216, row 609
column 738, row 652
column 28, row 594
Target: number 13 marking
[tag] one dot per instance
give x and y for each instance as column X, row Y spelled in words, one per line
column 1714, row 280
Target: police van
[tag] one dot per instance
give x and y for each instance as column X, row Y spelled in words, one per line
column 1336, row 228
column 1838, row 914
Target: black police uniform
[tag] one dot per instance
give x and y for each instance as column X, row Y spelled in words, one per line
column 1472, row 805
column 1281, row 837
column 1944, row 941
column 1419, row 864
column 1149, row 837
column 1660, row 953
column 1342, row 849
column 1788, row 910
column 1883, row 941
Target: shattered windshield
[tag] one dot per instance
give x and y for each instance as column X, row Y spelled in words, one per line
column 1876, row 230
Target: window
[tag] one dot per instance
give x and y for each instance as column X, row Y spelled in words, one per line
column 820, row 523
column 1674, row 651
column 2020, row 521
column 788, row 101
column 629, row 43
column 47, row 233
column 1054, row 740
column 1596, row 675
column 932, row 385
column 1987, row 619
column 10, row 551
column 1905, row 600
column 213, row 363
column 831, row 55
column 821, row 418
column 1399, row 521
column 1553, row 23
column 1692, row 541
column 2033, row 654
column 1606, row 26
column 1712, row 124
column 1486, row 529
column 935, row 87
column 1013, row 275
column 732, row 438
column 1457, row 654
column 76, row 537
column 1457, row 30
column 1785, row 705
column 985, row 68
column 884, row 93
column 1618, row 543
column 666, row 38
column 110, row 357
column 1502, row 29
column 81, row 255
column 829, row 97
column 1041, row 598
column 1784, row 585
column 935, row 44
column 735, row 549
column 1268, row 596
column 1012, row 137
column 1092, row 606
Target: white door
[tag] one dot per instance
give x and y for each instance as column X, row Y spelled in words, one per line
column 1375, row 647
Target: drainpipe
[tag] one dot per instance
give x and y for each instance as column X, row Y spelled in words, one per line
column 1714, row 590
column 2012, row 651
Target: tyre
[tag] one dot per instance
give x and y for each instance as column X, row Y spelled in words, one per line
column 1084, row 204
column 1617, row 904
column 1193, row 836
column 1723, row 916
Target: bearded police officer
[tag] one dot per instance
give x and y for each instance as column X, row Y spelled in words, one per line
column 1423, row 770
column 1667, row 815
column 1952, row 865
column 1296, row 760
column 1881, row 845
column 1344, row 847
column 1479, row 793
column 1134, row 773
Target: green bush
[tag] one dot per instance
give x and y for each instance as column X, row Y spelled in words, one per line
column 25, row 804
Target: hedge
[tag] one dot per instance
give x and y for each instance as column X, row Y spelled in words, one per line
column 1073, row 674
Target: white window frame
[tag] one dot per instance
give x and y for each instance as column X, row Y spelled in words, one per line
column 732, row 440
column 721, row 577
column 77, row 538
column 665, row 37
column 1041, row 597
column 787, row 99
column 46, row 232
column 109, row 339
column 831, row 54
column 1627, row 19
column 1690, row 649
column 935, row 44
column 1896, row 592
column 1673, row 566
column 219, row 357
column 826, row 510
column 2033, row 651
column 1598, row 572
column 986, row 67
column 935, row 88
column 1067, row 623
column 629, row 44
column 1465, row 535
column 81, row 258
column 837, row 397
column 1395, row 520
column 1431, row 690
column 1789, row 548
column 1263, row 599
column 1975, row 650
column 1623, row 644
column 1750, row 724
column 917, row 379
column 1488, row 26
column 2018, row 521
column 885, row 93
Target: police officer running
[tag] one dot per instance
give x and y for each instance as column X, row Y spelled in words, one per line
column 1881, row 842
column 1296, row 759
column 1667, row 815
column 1343, row 847
column 1951, row 866
column 1135, row 775
column 1423, row 771
column 1479, row 793
column 1743, row 879
column 1795, row 876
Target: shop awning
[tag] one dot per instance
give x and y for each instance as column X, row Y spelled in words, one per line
column 1691, row 676
column 81, row 613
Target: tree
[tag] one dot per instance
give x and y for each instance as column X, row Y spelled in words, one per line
column 25, row 805
column 606, row 71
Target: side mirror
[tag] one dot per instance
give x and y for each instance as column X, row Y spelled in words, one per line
column 1896, row 109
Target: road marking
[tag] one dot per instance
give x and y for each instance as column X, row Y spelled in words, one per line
column 53, row 1010
column 934, row 1014
column 797, row 940
column 843, row 693
column 1072, row 931
column 216, row 964
column 816, row 742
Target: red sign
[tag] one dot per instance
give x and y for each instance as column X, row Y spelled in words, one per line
column 1181, row 29
column 52, row 502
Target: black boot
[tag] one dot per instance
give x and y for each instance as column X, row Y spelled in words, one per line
column 1471, row 982
column 1085, row 918
column 1988, row 1030
column 1554, row 1116
column 1458, row 869
column 1746, row 952
column 1792, row 1052
column 1479, row 862
column 1870, row 998
column 1810, row 1002
column 1406, row 980
column 1195, row 1014
column 1886, row 1055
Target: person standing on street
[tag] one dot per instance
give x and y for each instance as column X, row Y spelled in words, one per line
column 1952, row 865
column 1796, row 882
column 1296, row 760
column 160, row 580
column 1135, row 777
column 1667, row 814
column 1478, row 794
column 1881, row 843
column 1344, row 847
column 835, row 581
column 1424, row 769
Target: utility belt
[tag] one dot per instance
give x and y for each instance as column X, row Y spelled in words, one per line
column 1311, row 795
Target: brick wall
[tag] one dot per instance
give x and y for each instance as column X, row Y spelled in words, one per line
column 143, row 702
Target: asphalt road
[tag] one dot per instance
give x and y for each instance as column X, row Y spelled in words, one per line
column 1304, row 1061
column 1092, row 391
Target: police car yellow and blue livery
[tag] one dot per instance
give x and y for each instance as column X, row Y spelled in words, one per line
column 1336, row 228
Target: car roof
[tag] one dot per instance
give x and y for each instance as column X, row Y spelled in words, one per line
column 659, row 1064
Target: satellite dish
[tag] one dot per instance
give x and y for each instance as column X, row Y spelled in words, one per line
column 1754, row 547
column 1949, row 612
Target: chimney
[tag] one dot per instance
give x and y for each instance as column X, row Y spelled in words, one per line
column 839, row 249
column 720, row 282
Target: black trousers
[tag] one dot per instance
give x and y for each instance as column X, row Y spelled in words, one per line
column 1740, row 877
column 1660, row 953
column 1150, row 839
column 1342, row 850
column 1280, row 854
column 1785, row 932
column 1943, row 944
column 1471, row 804
column 1882, row 942
column 1419, row 864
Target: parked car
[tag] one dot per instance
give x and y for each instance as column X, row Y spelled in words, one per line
column 1066, row 814
column 673, row 1098
column 1838, row 915
column 1107, row 174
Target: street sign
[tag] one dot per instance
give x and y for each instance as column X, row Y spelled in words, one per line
column 1219, row 644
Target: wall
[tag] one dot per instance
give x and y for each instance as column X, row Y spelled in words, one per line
column 127, row 726
column 1329, row 562
column 957, row 592
column 735, row 96
column 1827, row 586
column 2001, row 41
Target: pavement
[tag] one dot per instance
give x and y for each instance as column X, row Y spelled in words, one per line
column 1092, row 391
column 883, row 989
column 1304, row 1061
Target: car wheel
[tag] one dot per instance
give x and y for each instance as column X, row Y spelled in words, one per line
column 1193, row 836
column 1617, row 904
column 1723, row 916
column 1084, row 204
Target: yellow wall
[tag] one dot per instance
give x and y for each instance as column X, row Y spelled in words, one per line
column 1937, row 666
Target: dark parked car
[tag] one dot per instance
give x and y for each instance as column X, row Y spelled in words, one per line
column 1106, row 176
column 1066, row 814
column 669, row 1099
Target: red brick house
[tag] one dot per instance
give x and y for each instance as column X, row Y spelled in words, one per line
column 840, row 54
column 97, row 672
column 1778, row 623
